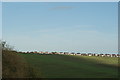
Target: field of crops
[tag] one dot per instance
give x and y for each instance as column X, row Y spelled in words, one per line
column 72, row 66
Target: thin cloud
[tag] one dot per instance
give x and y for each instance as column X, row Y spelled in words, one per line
column 62, row 7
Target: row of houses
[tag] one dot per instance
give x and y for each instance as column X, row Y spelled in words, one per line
column 72, row 53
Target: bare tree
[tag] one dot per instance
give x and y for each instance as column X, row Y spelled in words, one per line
column 5, row 46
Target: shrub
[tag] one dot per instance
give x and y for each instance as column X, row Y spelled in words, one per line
column 13, row 65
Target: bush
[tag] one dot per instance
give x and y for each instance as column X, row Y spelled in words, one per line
column 13, row 65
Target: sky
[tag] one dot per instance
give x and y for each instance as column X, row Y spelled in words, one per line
column 0, row 20
column 0, row 39
column 61, row 26
column 60, row 0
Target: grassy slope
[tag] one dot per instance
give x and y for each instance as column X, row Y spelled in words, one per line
column 64, row 66
column 104, row 60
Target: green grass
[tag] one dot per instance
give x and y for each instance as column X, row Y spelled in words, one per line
column 104, row 60
column 69, row 66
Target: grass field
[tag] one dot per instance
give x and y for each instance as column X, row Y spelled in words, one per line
column 72, row 66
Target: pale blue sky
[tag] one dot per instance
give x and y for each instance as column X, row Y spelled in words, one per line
column 0, row 20
column 73, row 27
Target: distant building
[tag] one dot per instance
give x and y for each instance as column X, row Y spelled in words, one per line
column 89, row 54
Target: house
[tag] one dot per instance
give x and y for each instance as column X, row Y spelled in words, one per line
column 89, row 54
column 83, row 54
column 78, row 53
column 61, row 52
column 102, row 55
column 97, row 54
column 114, row 55
column 66, row 53
column 107, row 55
column 72, row 53
column 118, row 55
